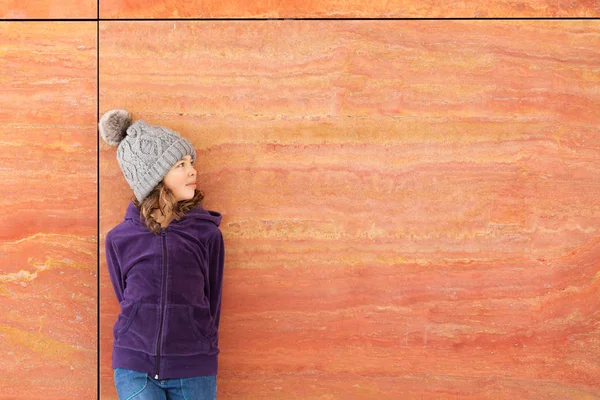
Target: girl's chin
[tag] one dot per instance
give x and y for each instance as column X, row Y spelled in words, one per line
column 186, row 197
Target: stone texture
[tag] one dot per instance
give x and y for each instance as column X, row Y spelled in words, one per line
column 347, row 9
column 48, row 237
column 410, row 207
column 47, row 9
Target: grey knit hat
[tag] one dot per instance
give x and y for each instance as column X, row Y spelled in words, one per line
column 145, row 152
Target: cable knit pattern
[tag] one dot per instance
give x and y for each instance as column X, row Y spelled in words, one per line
column 147, row 153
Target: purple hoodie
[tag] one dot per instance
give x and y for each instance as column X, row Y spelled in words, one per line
column 169, row 289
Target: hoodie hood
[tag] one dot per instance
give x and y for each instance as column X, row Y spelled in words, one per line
column 133, row 214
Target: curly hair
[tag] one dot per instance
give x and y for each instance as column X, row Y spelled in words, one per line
column 162, row 194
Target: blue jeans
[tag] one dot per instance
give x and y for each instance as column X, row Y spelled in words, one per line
column 141, row 386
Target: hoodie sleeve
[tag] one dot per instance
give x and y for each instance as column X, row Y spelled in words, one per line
column 114, row 268
column 216, row 257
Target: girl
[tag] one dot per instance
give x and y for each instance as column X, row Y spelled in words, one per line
column 165, row 262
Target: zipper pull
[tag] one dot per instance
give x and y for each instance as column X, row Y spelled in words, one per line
column 163, row 231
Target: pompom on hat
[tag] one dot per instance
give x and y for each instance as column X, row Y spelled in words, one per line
column 145, row 153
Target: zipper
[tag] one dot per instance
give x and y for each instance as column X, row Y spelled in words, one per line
column 163, row 298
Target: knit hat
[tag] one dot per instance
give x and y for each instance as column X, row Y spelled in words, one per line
column 145, row 152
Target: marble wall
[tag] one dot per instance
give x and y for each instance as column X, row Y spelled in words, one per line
column 46, row 9
column 48, row 235
column 347, row 9
column 410, row 208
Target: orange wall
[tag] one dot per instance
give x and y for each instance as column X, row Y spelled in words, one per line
column 347, row 9
column 48, row 9
column 61, row 9
column 410, row 207
column 48, row 235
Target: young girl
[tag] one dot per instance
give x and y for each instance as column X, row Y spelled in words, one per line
column 166, row 266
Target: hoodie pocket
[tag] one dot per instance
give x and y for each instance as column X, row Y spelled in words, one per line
column 125, row 322
column 186, row 333
column 138, row 330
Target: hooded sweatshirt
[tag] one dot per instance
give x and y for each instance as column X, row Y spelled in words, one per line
column 169, row 289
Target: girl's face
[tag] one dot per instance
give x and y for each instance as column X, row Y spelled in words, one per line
column 181, row 179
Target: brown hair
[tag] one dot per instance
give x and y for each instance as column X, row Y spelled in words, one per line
column 162, row 194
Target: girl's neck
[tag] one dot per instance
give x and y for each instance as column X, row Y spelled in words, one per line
column 163, row 220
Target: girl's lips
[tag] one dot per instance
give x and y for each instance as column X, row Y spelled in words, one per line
column 191, row 184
